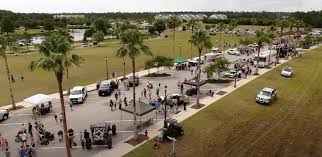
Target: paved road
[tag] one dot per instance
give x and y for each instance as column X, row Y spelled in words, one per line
column 96, row 110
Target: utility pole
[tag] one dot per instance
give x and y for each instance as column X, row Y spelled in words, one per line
column 107, row 75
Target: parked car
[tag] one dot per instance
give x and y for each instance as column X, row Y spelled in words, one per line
column 287, row 71
column 183, row 99
column 231, row 73
column 107, row 87
column 78, row 95
column 194, row 61
column 234, row 52
column 266, row 96
column 131, row 81
column 4, row 114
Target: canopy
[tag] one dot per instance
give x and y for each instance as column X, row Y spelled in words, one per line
column 193, row 82
column 38, row 99
column 141, row 108
column 180, row 60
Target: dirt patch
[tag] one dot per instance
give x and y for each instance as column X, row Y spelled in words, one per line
column 157, row 75
column 17, row 108
column 195, row 106
column 221, row 93
column 141, row 138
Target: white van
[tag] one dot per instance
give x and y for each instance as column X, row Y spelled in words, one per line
column 78, row 95
column 266, row 58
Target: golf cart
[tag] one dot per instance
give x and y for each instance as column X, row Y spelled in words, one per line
column 174, row 129
column 101, row 135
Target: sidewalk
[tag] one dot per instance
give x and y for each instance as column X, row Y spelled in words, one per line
column 122, row 148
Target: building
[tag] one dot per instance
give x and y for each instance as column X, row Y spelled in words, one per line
column 60, row 16
column 218, row 17
column 180, row 16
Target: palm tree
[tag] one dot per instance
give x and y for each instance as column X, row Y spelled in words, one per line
column 55, row 51
column 122, row 54
column 283, row 24
column 191, row 24
column 7, row 44
column 201, row 41
column 260, row 39
column 298, row 25
column 70, row 38
column 132, row 46
column 173, row 23
column 292, row 23
column 272, row 34
column 221, row 26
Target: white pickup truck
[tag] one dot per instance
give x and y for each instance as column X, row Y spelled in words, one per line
column 78, row 95
column 4, row 114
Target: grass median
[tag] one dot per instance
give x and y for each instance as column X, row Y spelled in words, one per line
column 237, row 126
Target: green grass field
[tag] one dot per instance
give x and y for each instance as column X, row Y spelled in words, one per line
column 92, row 70
column 236, row 126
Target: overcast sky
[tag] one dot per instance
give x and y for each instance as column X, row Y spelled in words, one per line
column 59, row 6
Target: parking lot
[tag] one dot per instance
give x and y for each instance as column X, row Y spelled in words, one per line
column 96, row 109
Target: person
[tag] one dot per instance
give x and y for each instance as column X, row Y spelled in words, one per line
column 144, row 92
column 146, row 133
column 71, row 137
column 28, row 151
column 12, row 79
column 33, row 150
column 178, row 84
column 23, row 137
column 116, row 95
column 181, row 88
column 7, row 153
column 156, row 144
column 60, row 135
column 158, row 91
column 71, row 106
column 30, row 130
column 191, row 72
column 22, row 151
column 21, row 76
column 184, row 106
column 159, row 85
column 125, row 101
column 55, row 116
column 115, row 104
column 86, row 134
column 61, row 119
column 111, row 104
column 120, row 104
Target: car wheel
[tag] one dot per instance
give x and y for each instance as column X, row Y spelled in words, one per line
column 5, row 117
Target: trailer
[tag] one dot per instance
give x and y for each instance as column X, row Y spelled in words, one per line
column 266, row 58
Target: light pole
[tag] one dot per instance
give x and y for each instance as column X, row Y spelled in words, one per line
column 165, row 125
column 235, row 85
column 180, row 49
column 107, row 76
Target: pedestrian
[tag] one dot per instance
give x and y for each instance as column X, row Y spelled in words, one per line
column 120, row 104
column 61, row 119
column 115, row 103
column 71, row 137
column 178, row 84
column 22, row 151
column 28, row 151
column 184, row 106
column 7, row 153
column 111, row 104
column 23, row 137
column 159, row 85
column 181, row 88
column 191, row 72
column 30, row 130
column 33, row 150
column 146, row 133
column 171, row 107
column 144, row 92
column 71, row 106
column 116, row 95
column 158, row 91
column 12, row 79
column 60, row 135
column 55, row 116
column 125, row 101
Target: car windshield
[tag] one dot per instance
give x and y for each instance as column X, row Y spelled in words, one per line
column 104, row 86
column 76, row 92
column 266, row 93
column 288, row 69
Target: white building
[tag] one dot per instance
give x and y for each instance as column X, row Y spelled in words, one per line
column 218, row 17
column 180, row 16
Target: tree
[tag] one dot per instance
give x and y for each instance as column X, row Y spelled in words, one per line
column 101, row 24
column 201, row 41
column 49, row 26
column 260, row 39
column 191, row 24
column 299, row 24
column 7, row 44
column 173, row 23
column 148, row 65
column 132, row 46
column 88, row 33
column 159, row 26
column 307, row 42
column 221, row 26
column 207, row 27
column 283, row 24
column 244, row 42
column 54, row 51
column 271, row 33
column 7, row 25
column 162, row 61
column 220, row 65
column 98, row 36
column 292, row 23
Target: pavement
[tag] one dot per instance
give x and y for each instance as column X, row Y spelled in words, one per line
column 96, row 110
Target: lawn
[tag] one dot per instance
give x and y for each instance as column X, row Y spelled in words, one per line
column 92, row 70
column 236, row 126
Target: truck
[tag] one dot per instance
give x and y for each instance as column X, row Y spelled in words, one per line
column 4, row 114
column 266, row 58
column 78, row 95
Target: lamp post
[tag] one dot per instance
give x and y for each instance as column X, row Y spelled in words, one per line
column 180, row 49
column 165, row 106
column 235, row 85
column 107, row 76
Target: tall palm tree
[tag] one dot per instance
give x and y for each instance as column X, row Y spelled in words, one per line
column 191, row 24
column 70, row 38
column 220, row 26
column 283, row 24
column 260, row 39
column 122, row 54
column 292, row 23
column 55, row 50
column 7, row 44
column 201, row 41
column 132, row 46
column 299, row 24
column 173, row 23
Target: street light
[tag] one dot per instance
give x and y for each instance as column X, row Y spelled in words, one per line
column 165, row 125
column 107, row 76
column 180, row 49
column 235, row 85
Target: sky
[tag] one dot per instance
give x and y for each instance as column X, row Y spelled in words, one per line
column 74, row 6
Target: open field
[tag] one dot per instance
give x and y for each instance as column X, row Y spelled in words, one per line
column 92, row 70
column 235, row 126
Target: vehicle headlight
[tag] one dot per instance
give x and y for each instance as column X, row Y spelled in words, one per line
column 79, row 99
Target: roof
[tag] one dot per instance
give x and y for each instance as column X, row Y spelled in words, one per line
column 141, row 108
column 38, row 99
column 180, row 60
column 267, row 89
column 193, row 82
column 78, row 88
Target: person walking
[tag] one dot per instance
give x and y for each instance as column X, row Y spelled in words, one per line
column 71, row 106
column 158, row 91
column 120, row 104
column 111, row 104
column 125, row 101
column 12, row 79
column 23, row 137
column 116, row 95
column 33, row 150
column 22, row 151
column 55, row 116
column 144, row 92
column 60, row 135
column 61, row 119
column 28, row 151
column 30, row 130
column 181, row 87
column 184, row 106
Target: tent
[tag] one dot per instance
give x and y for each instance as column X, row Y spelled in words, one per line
column 180, row 60
column 38, row 99
column 141, row 108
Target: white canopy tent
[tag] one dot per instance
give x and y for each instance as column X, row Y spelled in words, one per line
column 38, row 99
